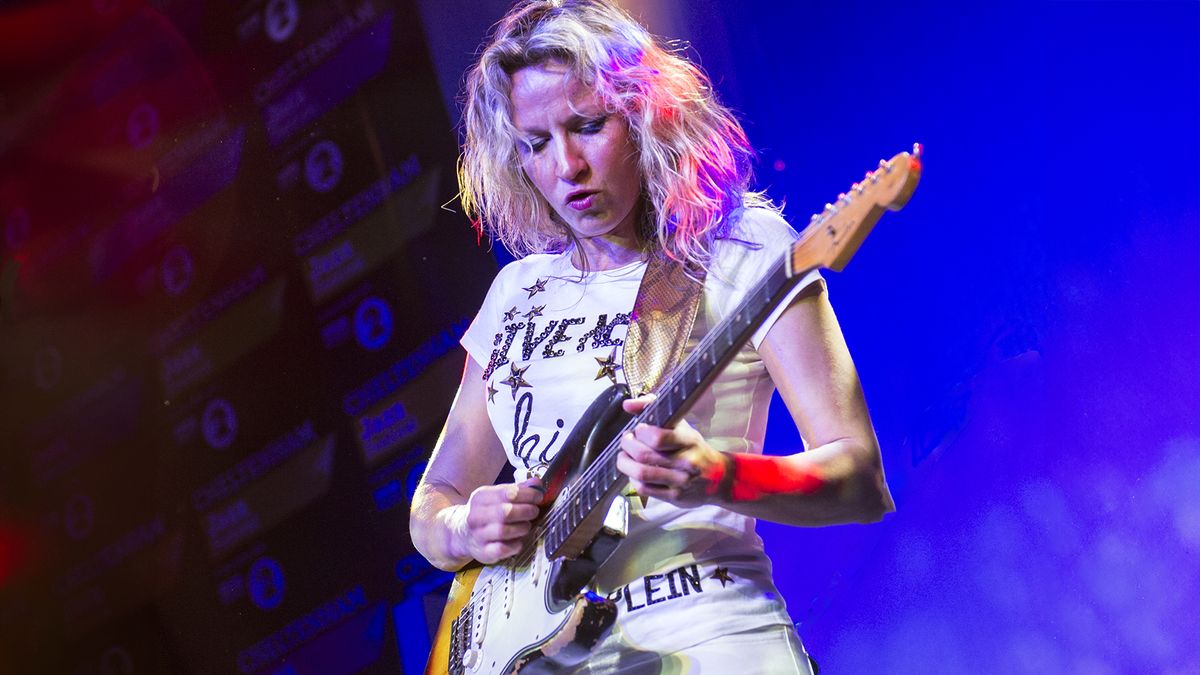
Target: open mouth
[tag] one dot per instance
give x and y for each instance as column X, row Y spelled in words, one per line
column 581, row 201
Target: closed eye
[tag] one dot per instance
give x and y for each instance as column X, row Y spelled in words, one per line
column 593, row 126
column 588, row 127
column 533, row 145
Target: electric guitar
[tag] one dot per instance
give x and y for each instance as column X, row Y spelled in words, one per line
column 535, row 612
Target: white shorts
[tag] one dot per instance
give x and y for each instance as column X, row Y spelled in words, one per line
column 771, row 650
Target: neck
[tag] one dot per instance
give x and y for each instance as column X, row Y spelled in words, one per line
column 606, row 253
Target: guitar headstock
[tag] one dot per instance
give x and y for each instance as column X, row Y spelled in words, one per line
column 834, row 235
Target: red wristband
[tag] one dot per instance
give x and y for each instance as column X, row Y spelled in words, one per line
column 757, row 476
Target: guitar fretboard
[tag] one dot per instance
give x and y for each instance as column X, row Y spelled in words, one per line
column 829, row 241
column 676, row 394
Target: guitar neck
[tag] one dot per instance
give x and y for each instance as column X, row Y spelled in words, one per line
column 679, row 391
column 676, row 395
column 830, row 240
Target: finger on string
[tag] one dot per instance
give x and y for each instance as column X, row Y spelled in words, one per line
column 657, row 438
column 516, row 513
column 638, row 404
column 659, row 475
column 655, row 490
column 512, row 532
column 496, row 551
column 528, row 492
column 638, row 451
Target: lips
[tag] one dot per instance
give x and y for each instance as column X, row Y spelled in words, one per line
column 581, row 200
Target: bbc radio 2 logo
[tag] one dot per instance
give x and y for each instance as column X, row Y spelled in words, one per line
column 373, row 323
column 323, row 166
column 176, row 271
column 265, row 583
column 280, row 18
column 219, row 424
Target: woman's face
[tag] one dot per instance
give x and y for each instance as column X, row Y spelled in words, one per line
column 579, row 157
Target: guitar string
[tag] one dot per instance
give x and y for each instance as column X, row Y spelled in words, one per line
column 688, row 364
column 676, row 376
column 606, row 457
column 673, row 379
column 701, row 348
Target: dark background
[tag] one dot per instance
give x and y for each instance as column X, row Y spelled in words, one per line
column 230, row 302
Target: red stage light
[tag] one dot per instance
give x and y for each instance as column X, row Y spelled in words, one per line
column 756, row 476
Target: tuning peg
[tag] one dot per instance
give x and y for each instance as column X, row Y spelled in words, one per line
column 883, row 164
column 917, row 150
column 858, row 188
column 814, row 218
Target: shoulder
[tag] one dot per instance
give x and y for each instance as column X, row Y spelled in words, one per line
column 759, row 225
column 757, row 236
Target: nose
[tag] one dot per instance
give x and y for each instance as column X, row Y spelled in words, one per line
column 569, row 163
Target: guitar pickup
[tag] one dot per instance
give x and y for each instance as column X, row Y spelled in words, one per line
column 482, row 605
column 616, row 521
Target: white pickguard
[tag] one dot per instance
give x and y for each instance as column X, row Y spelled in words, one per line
column 510, row 614
column 511, row 609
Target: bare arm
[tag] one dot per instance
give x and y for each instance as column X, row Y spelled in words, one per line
column 838, row 480
column 457, row 514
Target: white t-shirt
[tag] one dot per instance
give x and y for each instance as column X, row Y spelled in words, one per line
column 550, row 340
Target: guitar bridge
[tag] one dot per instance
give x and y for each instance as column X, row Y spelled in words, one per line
column 467, row 632
column 460, row 642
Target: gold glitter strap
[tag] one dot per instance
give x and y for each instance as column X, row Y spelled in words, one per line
column 662, row 320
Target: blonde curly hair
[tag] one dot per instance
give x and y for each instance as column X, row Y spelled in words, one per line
column 694, row 158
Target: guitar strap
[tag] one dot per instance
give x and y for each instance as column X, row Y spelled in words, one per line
column 662, row 320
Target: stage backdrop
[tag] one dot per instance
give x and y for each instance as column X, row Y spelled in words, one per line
column 230, row 300
column 230, row 318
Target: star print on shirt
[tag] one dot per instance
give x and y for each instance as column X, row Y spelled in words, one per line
column 515, row 380
column 536, row 288
column 491, row 393
column 534, row 313
column 722, row 575
column 608, row 366
column 511, row 314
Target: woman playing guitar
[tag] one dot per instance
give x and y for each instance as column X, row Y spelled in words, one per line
column 591, row 150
